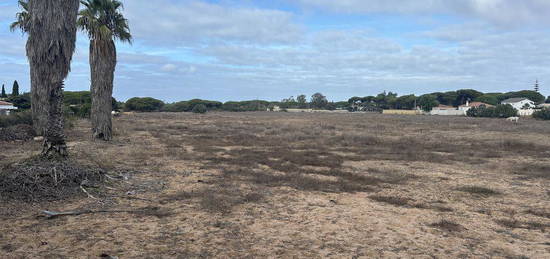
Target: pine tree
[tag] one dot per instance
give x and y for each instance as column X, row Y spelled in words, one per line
column 15, row 89
column 3, row 95
column 537, row 88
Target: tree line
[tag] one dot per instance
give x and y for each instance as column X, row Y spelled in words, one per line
column 389, row 100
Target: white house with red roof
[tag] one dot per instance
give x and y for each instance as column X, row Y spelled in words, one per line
column 6, row 107
column 470, row 105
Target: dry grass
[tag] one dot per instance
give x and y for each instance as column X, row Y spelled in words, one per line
column 299, row 185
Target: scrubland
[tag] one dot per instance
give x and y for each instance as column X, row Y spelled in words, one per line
column 308, row 185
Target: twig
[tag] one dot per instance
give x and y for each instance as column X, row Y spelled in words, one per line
column 55, row 214
column 87, row 193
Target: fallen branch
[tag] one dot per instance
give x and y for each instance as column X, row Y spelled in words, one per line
column 54, row 214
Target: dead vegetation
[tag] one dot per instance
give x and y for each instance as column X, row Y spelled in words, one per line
column 296, row 185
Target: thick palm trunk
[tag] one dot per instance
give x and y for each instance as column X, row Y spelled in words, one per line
column 102, row 65
column 39, row 103
column 50, row 47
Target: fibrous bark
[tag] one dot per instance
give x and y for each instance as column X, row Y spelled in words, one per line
column 50, row 47
column 102, row 65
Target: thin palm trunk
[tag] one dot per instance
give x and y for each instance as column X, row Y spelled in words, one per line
column 102, row 65
column 50, row 47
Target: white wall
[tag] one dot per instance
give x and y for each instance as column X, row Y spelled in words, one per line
column 448, row 112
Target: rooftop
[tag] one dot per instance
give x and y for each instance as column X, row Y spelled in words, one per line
column 514, row 100
column 5, row 103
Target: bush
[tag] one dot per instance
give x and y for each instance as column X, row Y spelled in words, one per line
column 187, row 106
column 200, row 108
column 22, row 102
column 499, row 111
column 543, row 114
column 146, row 104
column 16, row 118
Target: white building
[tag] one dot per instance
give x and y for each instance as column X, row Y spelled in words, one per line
column 6, row 107
column 520, row 103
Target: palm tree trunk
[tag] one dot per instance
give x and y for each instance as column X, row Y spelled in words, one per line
column 102, row 65
column 50, row 47
column 39, row 103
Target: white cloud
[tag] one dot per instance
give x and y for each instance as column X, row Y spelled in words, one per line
column 501, row 12
column 172, row 22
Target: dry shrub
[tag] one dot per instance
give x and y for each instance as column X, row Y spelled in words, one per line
column 38, row 179
column 17, row 132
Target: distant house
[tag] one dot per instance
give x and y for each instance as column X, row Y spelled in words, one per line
column 470, row 105
column 520, row 103
column 6, row 107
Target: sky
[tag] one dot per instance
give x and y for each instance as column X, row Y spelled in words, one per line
column 273, row 49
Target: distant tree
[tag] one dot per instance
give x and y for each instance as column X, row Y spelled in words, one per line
column 489, row 98
column 3, row 94
column 199, row 108
column 385, row 100
column 15, row 89
column 405, row 102
column 319, row 101
column 146, row 104
column 22, row 102
column 548, row 100
column 427, row 102
column 465, row 95
column 302, row 101
column 446, row 98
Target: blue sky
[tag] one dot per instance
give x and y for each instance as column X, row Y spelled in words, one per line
column 238, row 50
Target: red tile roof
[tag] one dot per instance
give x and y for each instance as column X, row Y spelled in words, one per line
column 477, row 104
column 5, row 103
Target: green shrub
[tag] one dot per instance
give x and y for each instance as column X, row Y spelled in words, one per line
column 499, row 111
column 543, row 114
column 200, row 108
column 146, row 104
column 16, row 118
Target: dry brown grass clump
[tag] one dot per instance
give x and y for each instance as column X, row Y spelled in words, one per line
column 448, row 226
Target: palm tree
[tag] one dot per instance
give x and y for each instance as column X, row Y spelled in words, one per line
column 50, row 48
column 104, row 23
column 38, row 94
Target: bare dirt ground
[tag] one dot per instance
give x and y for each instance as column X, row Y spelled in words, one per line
column 280, row 185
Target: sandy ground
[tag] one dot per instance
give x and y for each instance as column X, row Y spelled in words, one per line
column 279, row 185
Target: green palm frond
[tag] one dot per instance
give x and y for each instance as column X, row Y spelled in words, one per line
column 22, row 18
column 102, row 19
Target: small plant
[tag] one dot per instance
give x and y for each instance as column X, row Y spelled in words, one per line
column 199, row 108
